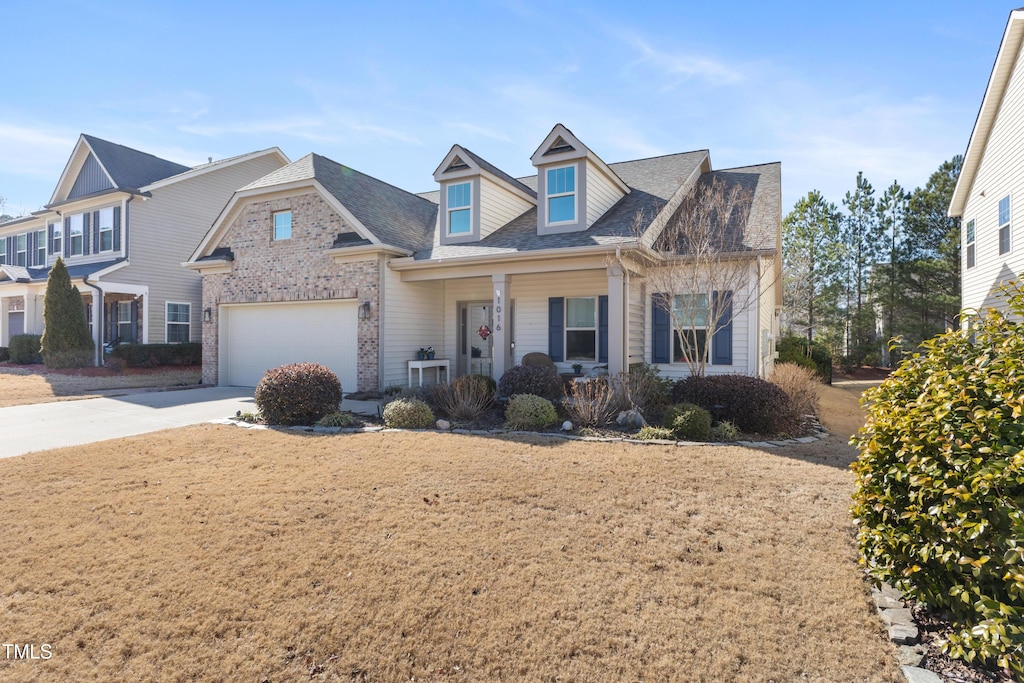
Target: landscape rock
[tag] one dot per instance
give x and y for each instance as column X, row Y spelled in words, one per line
column 631, row 419
column 916, row 675
column 908, row 655
column 903, row 634
column 567, row 426
column 443, row 425
column 900, row 615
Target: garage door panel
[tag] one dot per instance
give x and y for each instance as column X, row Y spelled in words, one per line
column 261, row 336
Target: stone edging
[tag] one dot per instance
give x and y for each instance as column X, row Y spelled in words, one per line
column 903, row 632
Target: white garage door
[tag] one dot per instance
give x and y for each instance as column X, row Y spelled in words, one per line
column 257, row 337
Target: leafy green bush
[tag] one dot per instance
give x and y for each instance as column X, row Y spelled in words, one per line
column 5, row 354
column 338, row 419
column 753, row 404
column 408, row 413
column 152, row 355
column 939, row 498
column 688, row 422
column 66, row 342
column 725, row 431
column 538, row 380
column 466, row 397
column 526, row 411
column 812, row 355
column 24, row 349
column 650, row 433
column 298, row 394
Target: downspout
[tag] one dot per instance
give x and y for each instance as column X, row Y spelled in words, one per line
column 97, row 321
column 761, row 361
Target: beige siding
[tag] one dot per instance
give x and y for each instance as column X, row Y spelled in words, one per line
column 412, row 318
column 498, row 206
column 999, row 175
column 165, row 229
column 767, row 317
column 456, row 292
column 601, row 193
column 637, row 320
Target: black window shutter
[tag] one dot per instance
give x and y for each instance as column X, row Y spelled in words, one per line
column 721, row 343
column 556, row 328
column 112, row 322
column 49, row 238
column 30, row 246
column 602, row 329
column 661, row 330
column 95, row 232
column 66, row 247
column 12, row 255
column 134, row 337
column 117, row 228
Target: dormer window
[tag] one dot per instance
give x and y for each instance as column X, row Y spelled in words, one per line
column 459, row 207
column 561, row 194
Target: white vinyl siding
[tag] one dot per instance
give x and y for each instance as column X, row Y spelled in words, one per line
column 601, row 193
column 413, row 317
column 637, row 318
column 498, row 206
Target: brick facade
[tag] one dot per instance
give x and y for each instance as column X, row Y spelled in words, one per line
column 296, row 269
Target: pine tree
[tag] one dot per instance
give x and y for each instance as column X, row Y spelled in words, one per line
column 66, row 342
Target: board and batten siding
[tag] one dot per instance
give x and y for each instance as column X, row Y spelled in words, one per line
column 413, row 314
column 498, row 206
column 165, row 229
column 601, row 193
column 999, row 175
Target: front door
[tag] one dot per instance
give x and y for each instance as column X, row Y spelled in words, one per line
column 475, row 339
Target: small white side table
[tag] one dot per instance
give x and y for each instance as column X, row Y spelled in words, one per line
column 438, row 363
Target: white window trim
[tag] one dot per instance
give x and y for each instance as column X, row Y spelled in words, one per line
column 109, row 229
column 58, row 237
column 548, row 195
column 3, row 250
column 41, row 247
column 21, row 249
column 567, row 330
column 691, row 328
column 1007, row 225
column 168, row 323
column 273, row 228
column 450, row 209
column 81, row 235
column 970, row 240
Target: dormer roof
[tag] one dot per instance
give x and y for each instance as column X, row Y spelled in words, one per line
column 461, row 162
column 561, row 145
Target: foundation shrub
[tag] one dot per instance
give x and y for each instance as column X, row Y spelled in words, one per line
column 650, row 433
column 408, row 413
column 725, row 431
column 24, row 349
column 466, row 397
column 5, row 354
column 526, row 411
column 592, row 403
column 688, row 421
column 298, row 394
column 753, row 404
column 538, row 380
column 939, row 496
column 338, row 419
column 801, row 386
column 153, row 355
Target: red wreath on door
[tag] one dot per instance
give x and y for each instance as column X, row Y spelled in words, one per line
column 484, row 332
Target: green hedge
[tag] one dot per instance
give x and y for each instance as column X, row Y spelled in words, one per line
column 811, row 355
column 5, row 354
column 152, row 355
column 24, row 349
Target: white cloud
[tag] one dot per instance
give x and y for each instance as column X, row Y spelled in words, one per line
column 676, row 66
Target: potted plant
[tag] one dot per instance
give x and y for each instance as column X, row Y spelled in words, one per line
column 577, row 368
column 430, row 353
column 421, row 354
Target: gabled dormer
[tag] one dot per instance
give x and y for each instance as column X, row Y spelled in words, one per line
column 476, row 198
column 574, row 187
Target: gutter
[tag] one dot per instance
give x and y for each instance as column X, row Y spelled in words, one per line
column 409, row 263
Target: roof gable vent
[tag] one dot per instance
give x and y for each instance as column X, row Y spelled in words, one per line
column 457, row 164
column 559, row 146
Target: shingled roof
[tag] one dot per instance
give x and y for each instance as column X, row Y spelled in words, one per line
column 129, row 168
column 393, row 215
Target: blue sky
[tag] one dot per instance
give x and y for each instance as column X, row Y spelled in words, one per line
column 828, row 89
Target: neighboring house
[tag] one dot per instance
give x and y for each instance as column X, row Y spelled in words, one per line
column 989, row 195
column 319, row 262
column 123, row 221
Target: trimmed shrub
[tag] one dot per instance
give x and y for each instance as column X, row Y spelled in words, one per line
column 801, row 385
column 526, row 411
column 5, row 355
column 408, row 413
column 753, row 404
column 152, row 355
column 298, row 394
column 466, row 397
column 688, row 421
column 644, row 388
column 939, row 497
column 65, row 342
column 650, row 433
column 24, row 349
column 592, row 403
column 812, row 355
column 725, row 431
column 538, row 380
column 338, row 419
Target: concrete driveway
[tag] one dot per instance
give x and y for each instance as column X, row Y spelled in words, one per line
column 24, row 429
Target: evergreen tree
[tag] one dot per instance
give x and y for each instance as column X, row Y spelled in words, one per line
column 892, row 209
column 862, row 235
column 66, row 342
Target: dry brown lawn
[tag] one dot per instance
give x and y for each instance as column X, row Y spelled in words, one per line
column 21, row 386
column 217, row 553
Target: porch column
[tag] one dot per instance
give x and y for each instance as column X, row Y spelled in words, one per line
column 33, row 314
column 5, row 332
column 499, row 346
column 616, row 320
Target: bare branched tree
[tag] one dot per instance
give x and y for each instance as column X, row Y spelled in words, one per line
column 709, row 268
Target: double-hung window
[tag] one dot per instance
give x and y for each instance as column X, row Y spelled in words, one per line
column 282, row 225
column 1004, row 225
column 690, row 311
column 106, row 229
column 581, row 328
column 40, row 248
column 124, row 321
column 178, row 322
column 969, row 243
column 57, row 230
column 21, row 249
column 3, row 250
column 561, row 194
column 76, row 235
column 460, row 207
